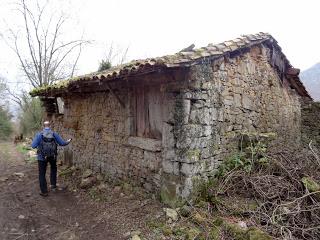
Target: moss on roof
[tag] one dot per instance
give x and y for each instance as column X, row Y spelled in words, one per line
column 183, row 58
column 59, row 85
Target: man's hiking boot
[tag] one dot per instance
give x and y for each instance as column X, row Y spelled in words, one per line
column 53, row 188
column 57, row 188
column 43, row 194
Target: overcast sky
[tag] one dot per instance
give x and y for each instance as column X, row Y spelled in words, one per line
column 155, row 28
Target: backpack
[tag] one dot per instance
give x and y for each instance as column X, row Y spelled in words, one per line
column 48, row 146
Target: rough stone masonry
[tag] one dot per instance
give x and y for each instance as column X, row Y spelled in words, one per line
column 196, row 114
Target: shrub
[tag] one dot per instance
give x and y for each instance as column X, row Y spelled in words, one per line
column 104, row 65
column 252, row 154
column 31, row 116
column 5, row 124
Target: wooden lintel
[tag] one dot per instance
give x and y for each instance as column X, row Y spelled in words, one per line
column 115, row 95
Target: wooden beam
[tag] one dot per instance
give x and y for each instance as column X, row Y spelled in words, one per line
column 293, row 71
column 115, row 95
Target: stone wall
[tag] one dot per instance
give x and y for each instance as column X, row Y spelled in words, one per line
column 100, row 130
column 207, row 107
column 223, row 99
column 310, row 117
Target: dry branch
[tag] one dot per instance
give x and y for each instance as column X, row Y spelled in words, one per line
column 40, row 46
column 286, row 209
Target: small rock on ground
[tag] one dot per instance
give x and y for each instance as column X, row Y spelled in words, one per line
column 242, row 225
column 135, row 237
column 88, row 182
column 185, row 211
column 3, row 179
column 171, row 213
column 137, row 232
column 19, row 174
column 87, row 173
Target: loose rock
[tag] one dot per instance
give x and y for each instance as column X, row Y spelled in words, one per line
column 136, row 232
column 32, row 154
column 171, row 213
column 87, row 173
column 19, row 174
column 185, row 211
column 3, row 179
column 197, row 218
column 88, row 182
column 242, row 225
column 102, row 186
column 135, row 237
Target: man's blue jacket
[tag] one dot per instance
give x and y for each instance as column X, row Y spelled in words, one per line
column 37, row 139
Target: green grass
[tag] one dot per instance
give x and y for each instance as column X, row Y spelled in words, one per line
column 4, row 150
column 24, row 151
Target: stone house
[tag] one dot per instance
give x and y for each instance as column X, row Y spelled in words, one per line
column 166, row 121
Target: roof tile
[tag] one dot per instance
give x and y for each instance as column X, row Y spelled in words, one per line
column 233, row 47
column 179, row 59
column 228, row 43
column 220, row 46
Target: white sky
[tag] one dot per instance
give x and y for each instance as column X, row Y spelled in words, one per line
column 155, row 28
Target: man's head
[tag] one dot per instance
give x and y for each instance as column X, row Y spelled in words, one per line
column 46, row 124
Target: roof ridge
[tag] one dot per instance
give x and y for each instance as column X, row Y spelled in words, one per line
column 213, row 48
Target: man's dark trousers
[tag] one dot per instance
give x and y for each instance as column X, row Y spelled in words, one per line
column 42, row 173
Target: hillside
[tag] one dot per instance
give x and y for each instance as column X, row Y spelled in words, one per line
column 311, row 80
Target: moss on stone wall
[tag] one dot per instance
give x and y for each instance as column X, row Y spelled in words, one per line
column 194, row 155
column 168, row 191
column 310, row 116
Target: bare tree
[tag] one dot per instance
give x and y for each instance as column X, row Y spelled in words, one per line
column 114, row 56
column 15, row 97
column 43, row 54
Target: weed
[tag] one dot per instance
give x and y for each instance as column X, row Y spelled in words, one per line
column 252, row 155
column 24, row 150
column 97, row 195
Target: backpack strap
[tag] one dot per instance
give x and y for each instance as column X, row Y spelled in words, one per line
column 48, row 134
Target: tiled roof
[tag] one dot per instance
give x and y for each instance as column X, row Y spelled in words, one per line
column 185, row 58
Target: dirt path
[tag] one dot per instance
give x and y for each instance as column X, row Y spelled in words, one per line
column 24, row 214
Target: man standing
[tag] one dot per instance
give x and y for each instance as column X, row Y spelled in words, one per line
column 46, row 143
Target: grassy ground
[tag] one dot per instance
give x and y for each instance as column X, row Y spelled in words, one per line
column 4, row 149
column 28, row 153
